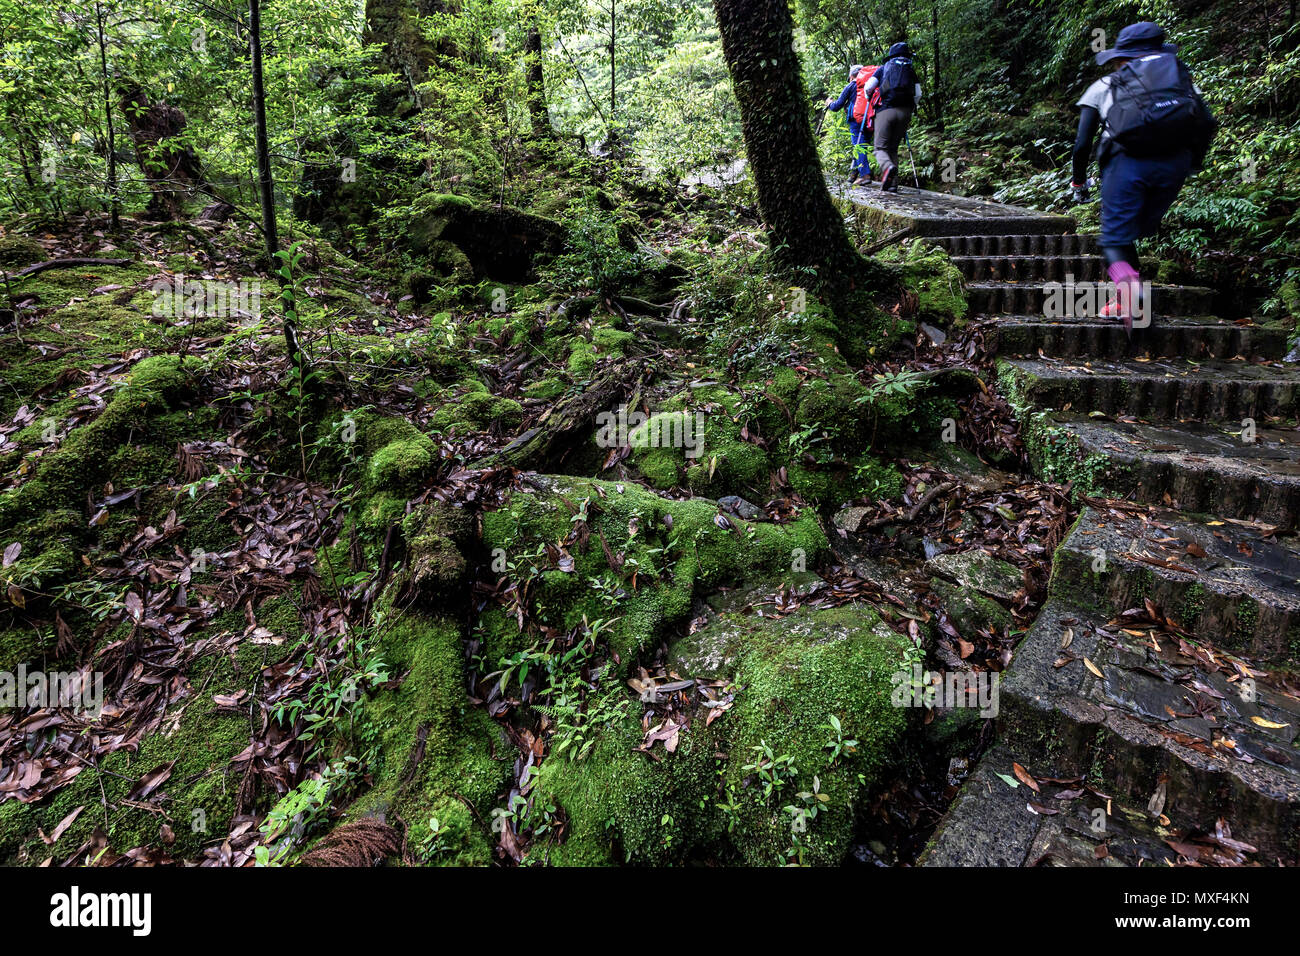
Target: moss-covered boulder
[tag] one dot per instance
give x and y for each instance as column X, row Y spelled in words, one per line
column 17, row 251
column 478, row 410
column 723, row 792
column 458, row 236
column 556, row 536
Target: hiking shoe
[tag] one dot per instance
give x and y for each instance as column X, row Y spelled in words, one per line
column 889, row 179
column 853, row 179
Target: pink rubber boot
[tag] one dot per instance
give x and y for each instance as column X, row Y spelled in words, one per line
column 1128, row 285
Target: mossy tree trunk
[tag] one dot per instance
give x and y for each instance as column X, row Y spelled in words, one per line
column 537, row 109
column 172, row 170
column 806, row 230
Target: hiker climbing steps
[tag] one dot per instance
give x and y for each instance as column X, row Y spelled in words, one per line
column 1158, row 671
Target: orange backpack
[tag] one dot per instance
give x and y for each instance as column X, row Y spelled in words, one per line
column 864, row 107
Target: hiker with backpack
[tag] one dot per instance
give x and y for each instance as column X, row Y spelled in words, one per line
column 900, row 94
column 858, row 111
column 1155, row 131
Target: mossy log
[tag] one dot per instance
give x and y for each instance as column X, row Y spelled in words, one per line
column 545, row 445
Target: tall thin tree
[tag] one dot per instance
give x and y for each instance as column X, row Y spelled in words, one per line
column 114, row 198
column 265, row 182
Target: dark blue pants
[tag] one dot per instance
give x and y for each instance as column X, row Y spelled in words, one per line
column 1136, row 194
column 859, row 138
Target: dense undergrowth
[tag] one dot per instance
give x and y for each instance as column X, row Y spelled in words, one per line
column 344, row 597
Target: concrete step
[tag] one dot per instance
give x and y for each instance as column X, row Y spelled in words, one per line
column 1167, row 723
column 1214, row 393
column 1042, row 243
column 927, row 213
column 1040, row 298
column 1196, row 338
column 992, row 823
column 1031, row 268
column 1213, row 577
column 1192, row 467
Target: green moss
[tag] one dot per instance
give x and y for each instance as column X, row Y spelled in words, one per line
column 791, row 676
column 582, row 359
column 477, row 410
column 938, row 284
column 669, row 564
column 624, row 806
column 20, row 251
column 401, row 465
column 436, row 749
column 610, row 341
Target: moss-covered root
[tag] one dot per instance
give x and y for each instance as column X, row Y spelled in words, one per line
column 438, row 755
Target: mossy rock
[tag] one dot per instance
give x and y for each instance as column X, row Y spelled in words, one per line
column 496, row 242
column 792, row 675
column 938, row 284
column 20, row 251
column 971, row 611
column 477, row 411
column 670, row 564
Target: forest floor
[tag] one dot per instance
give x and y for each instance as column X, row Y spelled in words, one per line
column 419, row 607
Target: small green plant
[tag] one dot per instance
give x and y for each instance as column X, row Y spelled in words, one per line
column 838, row 744
column 300, row 811
column 774, row 772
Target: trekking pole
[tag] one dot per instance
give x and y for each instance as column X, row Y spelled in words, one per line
column 908, row 143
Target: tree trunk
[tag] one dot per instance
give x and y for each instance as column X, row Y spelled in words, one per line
column 805, row 229
column 171, row 171
column 537, row 110
column 937, row 93
column 265, row 184
column 115, row 201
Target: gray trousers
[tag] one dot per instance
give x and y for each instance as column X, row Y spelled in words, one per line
column 891, row 126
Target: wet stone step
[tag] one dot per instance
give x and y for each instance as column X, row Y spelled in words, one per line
column 1040, row 244
column 1229, row 581
column 1026, row 268
column 992, row 823
column 1217, row 393
column 1040, row 298
column 1197, row 338
column 1193, row 467
column 927, row 213
column 1179, row 726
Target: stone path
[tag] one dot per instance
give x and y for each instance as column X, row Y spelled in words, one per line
column 1171, row 731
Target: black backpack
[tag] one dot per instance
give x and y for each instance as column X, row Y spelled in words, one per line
column 897, row 83
column 1156, row 111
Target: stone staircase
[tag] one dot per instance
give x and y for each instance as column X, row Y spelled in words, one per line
column 1157, row 697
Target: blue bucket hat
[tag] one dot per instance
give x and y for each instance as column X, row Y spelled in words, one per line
column 1137, row 39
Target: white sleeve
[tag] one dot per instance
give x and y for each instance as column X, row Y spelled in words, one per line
column 871, row 84
column 918, row 94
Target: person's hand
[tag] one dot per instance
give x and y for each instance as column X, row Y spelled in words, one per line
column 1079, row 192
column 830, row 102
